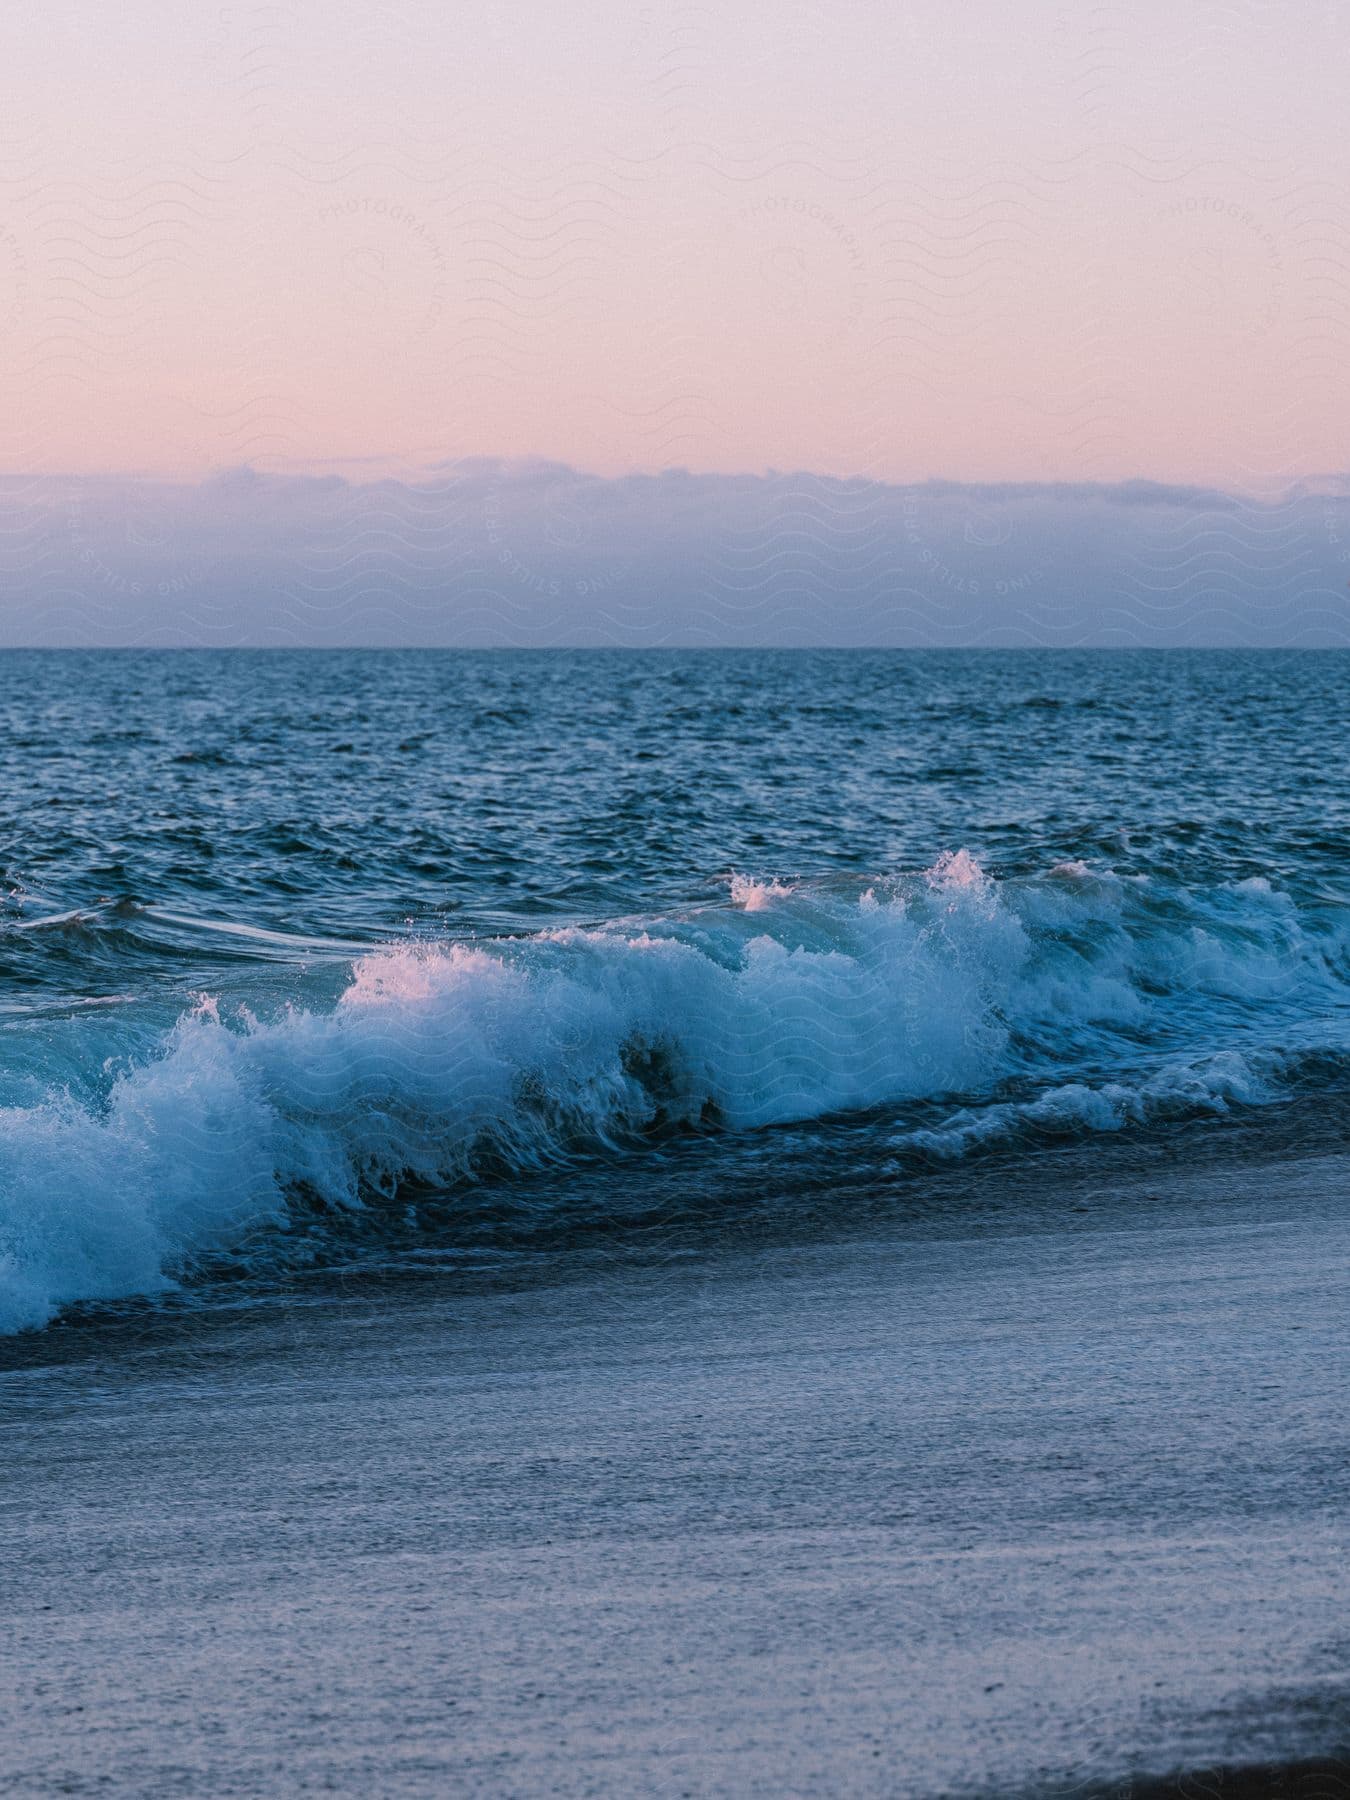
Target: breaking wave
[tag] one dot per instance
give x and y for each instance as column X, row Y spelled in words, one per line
column 1072, row 1001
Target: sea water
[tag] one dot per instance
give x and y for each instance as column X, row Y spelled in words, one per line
column 306, row 957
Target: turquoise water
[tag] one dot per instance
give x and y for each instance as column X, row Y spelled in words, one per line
column 302, row 952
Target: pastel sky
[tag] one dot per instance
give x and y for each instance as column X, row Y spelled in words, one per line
column 992, row 242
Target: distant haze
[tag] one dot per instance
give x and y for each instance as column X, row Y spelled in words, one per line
column 486, row 553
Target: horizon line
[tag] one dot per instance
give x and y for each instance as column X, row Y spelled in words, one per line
column 672, row 649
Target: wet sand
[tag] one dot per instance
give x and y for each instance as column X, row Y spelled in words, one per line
column 1035, row 1510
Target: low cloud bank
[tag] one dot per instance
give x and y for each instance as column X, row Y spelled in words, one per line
column 486, row 553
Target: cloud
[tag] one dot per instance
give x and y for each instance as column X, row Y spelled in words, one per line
column 487, row 552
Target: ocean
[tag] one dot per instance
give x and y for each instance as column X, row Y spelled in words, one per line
column 694, row 1222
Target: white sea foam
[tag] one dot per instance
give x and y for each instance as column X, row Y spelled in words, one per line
column 1211, row 1085
column 786, row 1005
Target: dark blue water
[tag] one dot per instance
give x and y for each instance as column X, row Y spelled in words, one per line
column 304, row 949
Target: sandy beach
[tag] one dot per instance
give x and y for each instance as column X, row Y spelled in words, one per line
column 1033, row 1508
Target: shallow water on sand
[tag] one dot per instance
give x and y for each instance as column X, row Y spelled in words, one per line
column 1047, row 1503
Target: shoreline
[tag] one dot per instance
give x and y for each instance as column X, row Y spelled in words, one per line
column 1312, row 1778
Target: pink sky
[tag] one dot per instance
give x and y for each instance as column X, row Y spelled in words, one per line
column 1045, row 242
